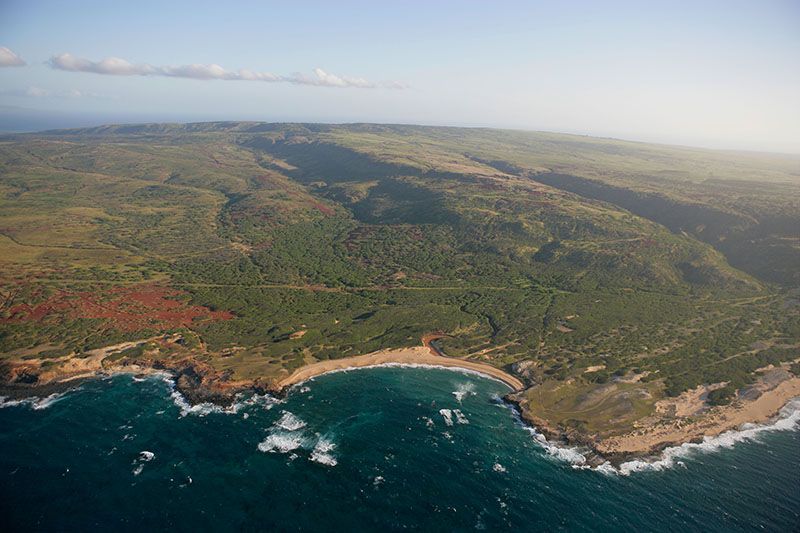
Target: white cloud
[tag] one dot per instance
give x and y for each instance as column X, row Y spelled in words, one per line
column 9, row 58
column 110, row 65
column 120, row 67
column 38, row 92
column 30, row 92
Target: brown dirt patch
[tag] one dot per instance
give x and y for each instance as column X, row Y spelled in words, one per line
column 124, row 308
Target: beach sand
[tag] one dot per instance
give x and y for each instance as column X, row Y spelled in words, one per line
column 418, row 355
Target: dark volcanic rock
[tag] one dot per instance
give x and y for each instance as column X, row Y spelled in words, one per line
column 27, row 378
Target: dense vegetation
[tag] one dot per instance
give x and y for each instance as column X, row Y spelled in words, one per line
column 561, row 257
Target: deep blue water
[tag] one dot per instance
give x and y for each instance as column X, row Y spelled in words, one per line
column 78, row 465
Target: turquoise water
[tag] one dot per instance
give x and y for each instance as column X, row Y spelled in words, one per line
column 356, row 451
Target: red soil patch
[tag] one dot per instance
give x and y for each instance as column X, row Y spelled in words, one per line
column 124, row 308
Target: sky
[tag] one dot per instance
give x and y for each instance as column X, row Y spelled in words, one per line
column 703, row 73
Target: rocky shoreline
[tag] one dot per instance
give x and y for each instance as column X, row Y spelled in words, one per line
column 198, row 382
column 644, row 444
column 567, row 439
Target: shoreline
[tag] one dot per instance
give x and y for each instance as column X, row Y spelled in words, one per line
column 199, row 382
column 583, row 456
column 715, row 423
column 418, row 355
column 581, row 453
column 649, row 444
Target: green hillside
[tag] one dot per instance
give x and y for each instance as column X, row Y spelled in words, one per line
column 564, row 259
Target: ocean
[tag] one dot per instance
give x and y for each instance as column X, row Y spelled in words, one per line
column 365, row 450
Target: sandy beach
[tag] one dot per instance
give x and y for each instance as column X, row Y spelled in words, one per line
column 419, row 355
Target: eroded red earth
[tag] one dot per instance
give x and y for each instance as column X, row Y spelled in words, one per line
column 124, row 308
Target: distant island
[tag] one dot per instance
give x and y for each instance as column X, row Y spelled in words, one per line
column 632, row 296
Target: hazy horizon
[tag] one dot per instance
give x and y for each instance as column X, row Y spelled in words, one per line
column 88, row 122
column 722, row 75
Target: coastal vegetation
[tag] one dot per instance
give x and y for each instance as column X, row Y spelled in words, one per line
column 607, row 275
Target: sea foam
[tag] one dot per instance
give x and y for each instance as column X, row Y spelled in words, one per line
column 289, row 433
column 34, row 402
column 266, row 401
column 284, row 435
column 453, row 415
column 463, row 390
column 322, row 452
column 460, row 418
column 447, row 414
column 290, row 422
column 144, row 457
column 281, row 442
column 787, row 419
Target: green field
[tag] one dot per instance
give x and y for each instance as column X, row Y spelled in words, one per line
column 544, row 254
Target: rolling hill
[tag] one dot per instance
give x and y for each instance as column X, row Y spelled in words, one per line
column 611, row 276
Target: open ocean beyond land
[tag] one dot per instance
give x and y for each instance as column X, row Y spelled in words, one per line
column 376, row 449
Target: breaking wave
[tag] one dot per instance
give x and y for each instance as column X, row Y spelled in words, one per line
column 34, row 402
column 290, row 422
column 281, row 442
column 460, row 418
column 322, row 452
column 464, row 390
column 288, row 434
column 144, row 457
column 241, row 402
column 787, row 419
column 451, row 415
column 447, row 414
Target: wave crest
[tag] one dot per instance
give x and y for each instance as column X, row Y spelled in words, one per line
column 322, row 452
column 463, row 390
column 206, row 408
column 290, row 422
column 787, row 419
column 34, row 402
column 281, row 442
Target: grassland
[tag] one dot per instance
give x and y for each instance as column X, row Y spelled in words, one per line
column 608, row 275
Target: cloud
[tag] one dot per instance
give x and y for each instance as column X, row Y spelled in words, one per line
column 110, row 65
column 38, row 92
column 30, row 92
column 116, row 66
column 9, row 58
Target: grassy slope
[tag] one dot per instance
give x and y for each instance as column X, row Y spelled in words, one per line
column 368, row 236
column 746, row 205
